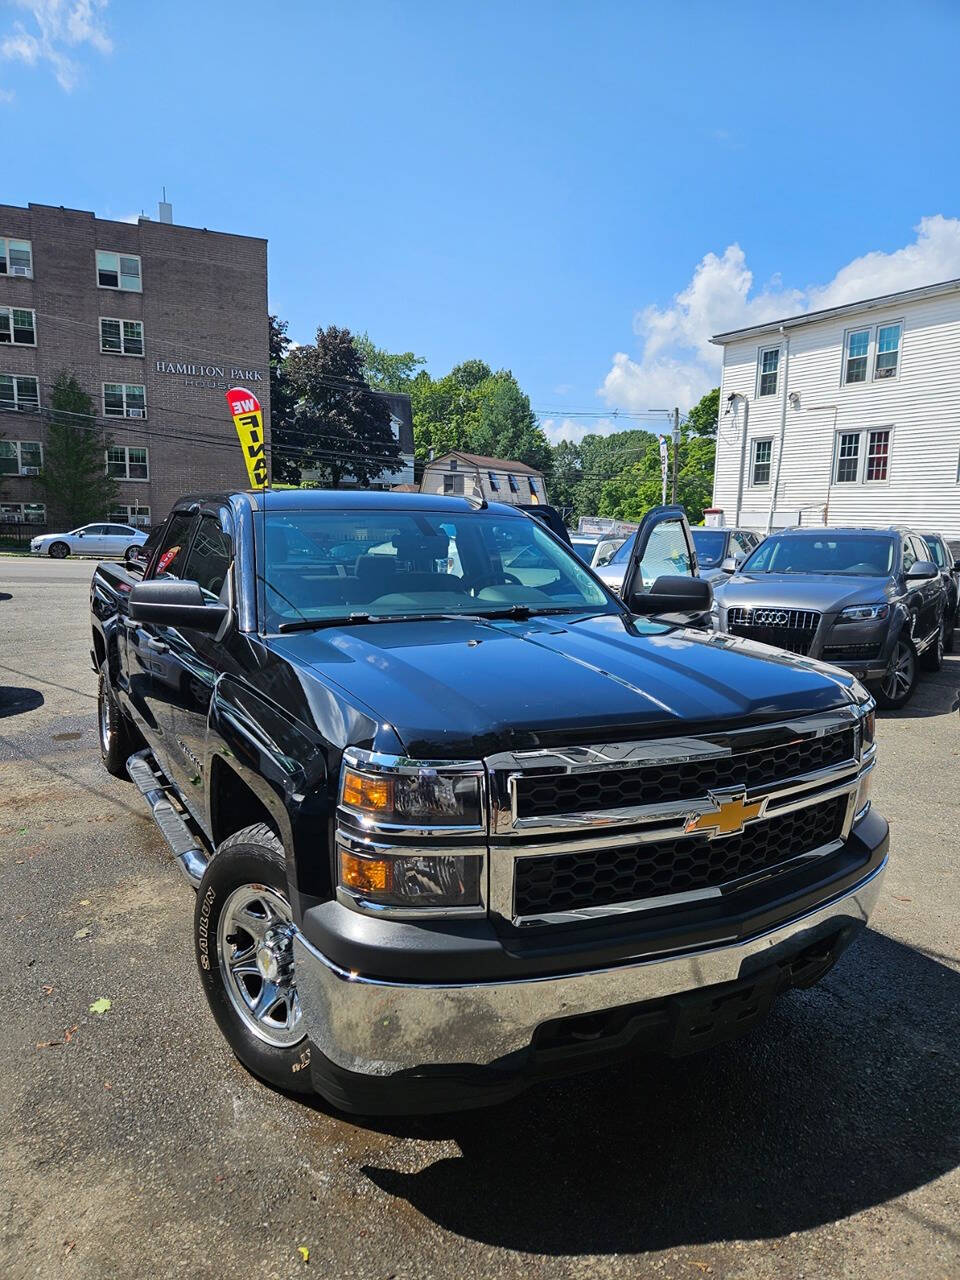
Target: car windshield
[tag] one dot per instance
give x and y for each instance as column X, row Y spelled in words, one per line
column 584, row 547
column 858, row 555
column 709, row 544
column 622, row 553
column 363, row 564
column 936, row 550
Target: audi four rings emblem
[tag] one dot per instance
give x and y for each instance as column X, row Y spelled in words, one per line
column 772, row 617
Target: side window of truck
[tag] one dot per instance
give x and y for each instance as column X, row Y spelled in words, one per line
column 173, row 548
column 209, row 560
column 666, row 553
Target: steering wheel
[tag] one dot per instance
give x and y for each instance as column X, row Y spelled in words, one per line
column 493, row 580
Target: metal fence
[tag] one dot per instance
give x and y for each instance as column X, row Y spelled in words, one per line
column 16, row 534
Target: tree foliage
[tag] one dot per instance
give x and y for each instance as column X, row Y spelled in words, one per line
column 702, row 418
column 387, row 370
column 339, row 428
column 74, row 480
column 282, row 405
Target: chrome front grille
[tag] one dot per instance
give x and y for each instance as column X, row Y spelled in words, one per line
column 585, row 831
column 790, row 629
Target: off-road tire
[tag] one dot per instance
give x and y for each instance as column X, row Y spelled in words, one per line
column 118, row 739
column 58, row 550
column 253, row 856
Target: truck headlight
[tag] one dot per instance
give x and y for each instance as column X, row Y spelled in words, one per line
column 863, row 613
column 411, row 835
column 411, row 794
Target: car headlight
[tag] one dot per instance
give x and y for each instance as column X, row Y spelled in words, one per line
column 864, row 613
column 404, row 831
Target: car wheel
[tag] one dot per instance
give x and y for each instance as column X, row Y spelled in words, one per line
column 932, row 659
column 131, row 551
column 243, row 935
column 118, row 739
column 58, row 550
column 901, row 676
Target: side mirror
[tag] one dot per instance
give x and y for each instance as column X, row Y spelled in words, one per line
column 81, row 534
column 731, row 564
column 673, row 595
column 956, row 566
column 922, row 570
column 168, row 602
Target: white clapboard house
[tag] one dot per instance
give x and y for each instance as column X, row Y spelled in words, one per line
column 845, row 416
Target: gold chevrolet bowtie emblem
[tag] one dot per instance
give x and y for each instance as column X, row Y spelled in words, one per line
column 727, row 820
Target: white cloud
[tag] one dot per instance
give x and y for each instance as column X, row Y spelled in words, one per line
column 60, row 25
column 575, row 430
column 677, row 362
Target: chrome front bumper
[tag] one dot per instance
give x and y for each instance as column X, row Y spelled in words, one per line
column 376, row 1028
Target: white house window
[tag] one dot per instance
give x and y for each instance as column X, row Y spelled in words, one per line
column 514, row 487
column 878, row 455
column 127, row 463
column 16, row 258
column 20, row 457
column 888, row 350
column 121, row 337
column 453, row 484
column 18, row 391
column 858, row 345
column 494, row 482
column 769, row 369
column 18, row 327
column 848, row 457
column 124, row 400
column 760, row 462
column 863, row 457
column 118, row 271
column 131, row 514
column 23, row 512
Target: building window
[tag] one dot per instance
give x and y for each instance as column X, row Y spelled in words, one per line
column 453, row 484
column 118, row 271
column 121, row 337
column 23, row 512
column 16, row 258
column 888, row 350
column 20, row 457
column 124, row 400
column 848, row 457
column 534, row 487
column 127, row 463
column 863, row 457
column 494, row 482
column 514, row 487
column 769, row 369
column 878, row 455
column 858, row 345
column 137, row 517
column 760, row 462
column 17, row 391
column 18, row 327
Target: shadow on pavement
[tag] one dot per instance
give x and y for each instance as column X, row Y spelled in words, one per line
column 936, row 694
column 14, row 701
column 846, row 1098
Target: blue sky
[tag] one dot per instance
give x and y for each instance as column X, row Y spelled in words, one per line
column 578, row 192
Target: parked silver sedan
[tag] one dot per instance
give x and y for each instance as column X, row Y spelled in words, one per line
column 104, row 540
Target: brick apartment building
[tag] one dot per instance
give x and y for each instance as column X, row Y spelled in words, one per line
column 155, row 321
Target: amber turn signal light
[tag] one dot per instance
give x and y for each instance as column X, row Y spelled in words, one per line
column 365, row 875
column 361, row 792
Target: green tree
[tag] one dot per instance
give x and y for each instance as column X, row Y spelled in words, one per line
column 282, row 406
column 637, row 488
column 702, row 418
column 602, row 459
column 387, row 370
column 566, row 472
column 340, row 427
column 74, row 480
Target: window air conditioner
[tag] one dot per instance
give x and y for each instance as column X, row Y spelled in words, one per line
column 20, row 271
column 29, row 471
column 136, row 413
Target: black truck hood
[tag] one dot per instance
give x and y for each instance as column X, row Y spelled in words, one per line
column 466, row 688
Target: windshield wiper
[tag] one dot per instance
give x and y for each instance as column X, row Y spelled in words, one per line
column 517, row 612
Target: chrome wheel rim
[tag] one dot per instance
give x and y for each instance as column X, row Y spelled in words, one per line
column 899, row 677
column 104, row 711
column 255, row 946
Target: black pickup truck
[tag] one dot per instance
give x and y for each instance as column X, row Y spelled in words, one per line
column 458, row 818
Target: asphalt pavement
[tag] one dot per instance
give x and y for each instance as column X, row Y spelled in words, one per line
column 132, row 1144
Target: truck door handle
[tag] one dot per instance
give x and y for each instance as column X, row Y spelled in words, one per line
column 157, row 646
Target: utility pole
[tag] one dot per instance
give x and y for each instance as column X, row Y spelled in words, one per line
column 676, row 450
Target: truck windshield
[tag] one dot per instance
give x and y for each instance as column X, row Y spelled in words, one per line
column 866, row 556
column 363, row 564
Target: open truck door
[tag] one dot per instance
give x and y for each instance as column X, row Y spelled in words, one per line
column 661, row 578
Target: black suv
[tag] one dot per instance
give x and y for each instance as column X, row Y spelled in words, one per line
column 869, row 600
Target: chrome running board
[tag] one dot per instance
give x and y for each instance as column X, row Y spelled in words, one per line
column 187, row 850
